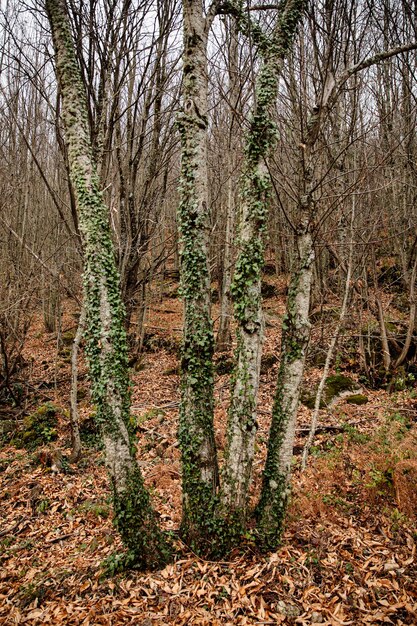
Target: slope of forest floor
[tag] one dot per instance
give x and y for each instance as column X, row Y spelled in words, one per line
column 348, row 555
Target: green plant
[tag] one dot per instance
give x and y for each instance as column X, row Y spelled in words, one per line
column 30, row 592
column 43, row 506
column 354, row 435
column 39, row 427
column 98, row 509
column 380, row 479
column 397, row 519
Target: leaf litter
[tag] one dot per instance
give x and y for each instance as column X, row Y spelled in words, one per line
column 348, row 554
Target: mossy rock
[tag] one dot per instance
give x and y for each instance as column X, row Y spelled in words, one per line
column 81, row 394
column 357, row 398
column 316, row 356
column 308, row 399
column 65, row 352
column 139, row 365
column 268, row 361
column 153, row 342
column 171, row 293
column 39, row 428
column 335, row 386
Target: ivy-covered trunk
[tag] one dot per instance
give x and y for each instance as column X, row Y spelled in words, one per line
column 106, row 339
column 246, row 288
column 196, row 432
column 295, row 337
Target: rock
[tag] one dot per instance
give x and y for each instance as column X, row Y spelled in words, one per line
column 68, row 337
column 336, row 387
column 52, row 458
column 288, row 609
column 316, row 618
column 357, row 398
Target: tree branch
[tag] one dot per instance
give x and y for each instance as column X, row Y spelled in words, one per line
column 380, row 56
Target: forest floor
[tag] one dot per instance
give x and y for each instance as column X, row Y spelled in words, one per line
column 348, row 555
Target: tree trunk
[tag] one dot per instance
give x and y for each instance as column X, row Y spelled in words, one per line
column 106, row 337
column 246, row 288
column 224, row 336
column 196, row 431
column 333, row 342
column 296, row 333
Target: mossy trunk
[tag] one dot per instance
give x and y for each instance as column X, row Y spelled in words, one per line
column 246, row 288
column 196, row 431
column 106, row 338
column 296, row 333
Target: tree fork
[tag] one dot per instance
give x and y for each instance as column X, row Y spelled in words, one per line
column 246, row 288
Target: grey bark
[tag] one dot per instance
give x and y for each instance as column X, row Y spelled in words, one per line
column 196, row 430
column 246, row 289
column 330, row 351
column 224, row 336
column 106, row 338
column 296, row 328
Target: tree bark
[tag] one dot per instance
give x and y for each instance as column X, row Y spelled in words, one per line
column 196, row 431
column 296, row 332
column 224, row 335
column 333, row 342
column 106, row 338
column 246, row 288
column 296, row 327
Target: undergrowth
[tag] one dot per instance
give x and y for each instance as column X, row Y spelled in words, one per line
column 360, row 472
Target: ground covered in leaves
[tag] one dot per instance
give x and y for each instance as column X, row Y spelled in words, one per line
column 348, row 554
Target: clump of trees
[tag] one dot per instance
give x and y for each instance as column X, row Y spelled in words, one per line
column 317, row 167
